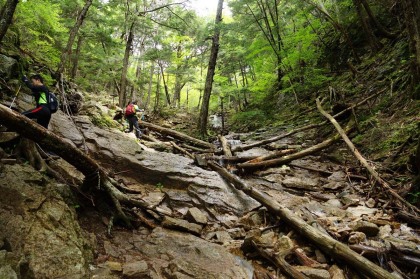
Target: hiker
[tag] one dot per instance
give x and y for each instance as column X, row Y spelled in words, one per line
column 130, row 115
column 41, row 112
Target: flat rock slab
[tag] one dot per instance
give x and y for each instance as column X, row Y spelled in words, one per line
column 171, row 171
column 171, row 252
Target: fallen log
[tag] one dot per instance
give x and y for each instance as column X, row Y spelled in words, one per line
column 363, row 161
column 182, row 150
column 193, row 148
column 225, row 146
column 301, row 129
column 280, row 262
column 324, row 242
column 409, row 218
column 178, row 135
column 274, row 155
column 289, row 158
column 95, row 175
column 233, row 159
column 393, row 253
column 326, row 172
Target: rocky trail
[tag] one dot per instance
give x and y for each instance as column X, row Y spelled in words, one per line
column 201, row 226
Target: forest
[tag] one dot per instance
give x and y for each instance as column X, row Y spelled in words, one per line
column 282, row 135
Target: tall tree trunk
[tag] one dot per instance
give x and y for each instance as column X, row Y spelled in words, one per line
column 373, row 41
column 178, row 76
column 412, row 19
column 270, row 26
column 6, row 16
column 168, row 98
column 76, row 58
column 204, row 111
column 381, row 29
column 126, row 60
column 67, row 51
column 200, row 98
column 157, row 95
column 149, row 90
column 337, row 26
column 138, row 70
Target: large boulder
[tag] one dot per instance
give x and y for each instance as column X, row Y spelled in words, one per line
column 40, row 235
column 169, row 254
column 8, row 67
column 184, row 183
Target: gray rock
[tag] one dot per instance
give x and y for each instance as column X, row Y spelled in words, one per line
column 222, row 237
column 314, row 273
column 284, row 244
column 268, row 238
column 356, row 237
column 40, row 228
column 8, row 67
column 195, row 215
column 138, row 269
column 320, row 257
column 192, row 256
column 63, row 126
column 158, row 168
column 367, row 228
column 301, row 183
column 370, row 203
column 172, row 223
column 6, row 272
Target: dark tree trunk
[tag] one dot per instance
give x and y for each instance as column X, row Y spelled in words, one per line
column 157, row 95
column 381, row 29
column 412, row 19
column 128, row 46
column 76, row 58
column 373, row 41
column 200, row 98
column 149, row 90
column 204, row 111
column 338, row 27
column 67, row 51
column 6, row 16
column 168, row 98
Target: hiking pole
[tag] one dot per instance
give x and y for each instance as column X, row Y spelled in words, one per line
column 17, row 93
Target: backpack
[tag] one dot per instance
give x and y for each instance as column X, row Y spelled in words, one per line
column 52, row 102
column 130, row 110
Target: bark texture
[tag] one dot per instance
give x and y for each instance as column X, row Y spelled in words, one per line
column 204, row 111
column 6, row 16
column 73, row 33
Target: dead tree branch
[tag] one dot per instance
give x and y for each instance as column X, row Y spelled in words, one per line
column 289, row 158
column 325, row 242
column 363, row 161
column 178, row 135
column 301, row 129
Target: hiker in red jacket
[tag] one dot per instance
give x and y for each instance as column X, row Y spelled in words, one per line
column 130, row 115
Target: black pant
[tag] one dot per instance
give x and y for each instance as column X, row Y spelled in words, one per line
column 41, row 113
column 134, row 122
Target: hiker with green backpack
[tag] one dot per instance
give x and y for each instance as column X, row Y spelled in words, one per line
column 130, row 114
column 41, row 112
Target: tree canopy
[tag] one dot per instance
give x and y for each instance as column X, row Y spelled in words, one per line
column 158, row 51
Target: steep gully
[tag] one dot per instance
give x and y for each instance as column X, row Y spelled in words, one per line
column 221, row 220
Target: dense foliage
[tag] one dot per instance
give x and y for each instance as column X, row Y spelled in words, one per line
column 157, row 51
